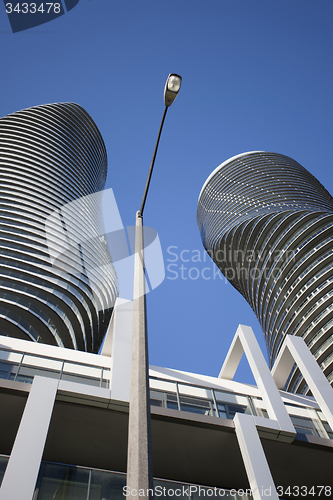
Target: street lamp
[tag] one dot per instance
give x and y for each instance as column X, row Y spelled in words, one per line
column 139, row 455
column 171, row 90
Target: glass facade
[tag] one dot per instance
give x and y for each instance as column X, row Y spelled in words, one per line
column 68, row 482
column 267, row 224
column 223, row 404
column 22, row 367
column 58, row 285
column 180, row 396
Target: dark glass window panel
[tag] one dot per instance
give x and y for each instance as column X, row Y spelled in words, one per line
column 3, row 465
column 156, row 402
column 195, row 409
column 59, row 482
column 172, row 405
column 233, row 409
column 107, row 486
column 27, row 379
column 304, row 425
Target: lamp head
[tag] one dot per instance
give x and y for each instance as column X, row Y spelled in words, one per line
column 171, row 89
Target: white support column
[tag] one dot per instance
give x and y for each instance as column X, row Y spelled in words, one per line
column 23, row 466
column 122, row 350
column 295, row 350
column 245, row 341
column 258, row 473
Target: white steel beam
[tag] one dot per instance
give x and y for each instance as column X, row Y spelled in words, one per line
column 245, row 341
column 295, row 350
column 258, row 473
column 22, row 469
column 118, row 345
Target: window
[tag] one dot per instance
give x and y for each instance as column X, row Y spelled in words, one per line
column 227, row 410
column 196, row 405
column 304, row 425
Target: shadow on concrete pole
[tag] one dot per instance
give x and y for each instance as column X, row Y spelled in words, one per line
column 139, row 449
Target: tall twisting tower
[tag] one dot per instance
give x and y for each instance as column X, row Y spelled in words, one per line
column 268, row 225
column 57, row 282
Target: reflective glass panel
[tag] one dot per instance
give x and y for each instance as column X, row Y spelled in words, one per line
column 8, row 371
column 204, row 492
column 229, row 404
column 9, row 362
column 196, row 405
column 176, row 490
column 304, row 425
column 259, row 407
column 328, row 430
column 157, row 398
column 171, row 401
column 3, row 465
column 107, row 485
column 61, row 482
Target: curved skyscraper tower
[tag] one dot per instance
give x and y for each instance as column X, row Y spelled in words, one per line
column 268, row 225
column 57, row 282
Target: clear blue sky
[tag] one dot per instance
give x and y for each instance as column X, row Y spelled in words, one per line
column 257, row 75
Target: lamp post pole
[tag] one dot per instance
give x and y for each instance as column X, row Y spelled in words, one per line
column 139, row 450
